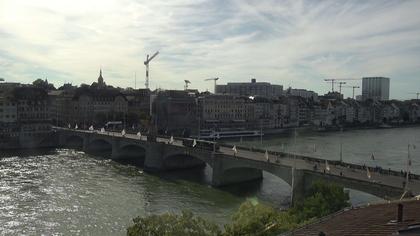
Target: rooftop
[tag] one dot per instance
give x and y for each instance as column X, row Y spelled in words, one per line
column 379, row 219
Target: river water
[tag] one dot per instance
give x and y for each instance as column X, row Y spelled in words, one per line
column 64, row 192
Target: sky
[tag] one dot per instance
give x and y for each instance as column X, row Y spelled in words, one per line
column 294, row 43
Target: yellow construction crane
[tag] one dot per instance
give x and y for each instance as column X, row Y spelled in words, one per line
column 146, row 63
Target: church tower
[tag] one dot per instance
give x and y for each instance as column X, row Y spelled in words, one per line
column 101, row 82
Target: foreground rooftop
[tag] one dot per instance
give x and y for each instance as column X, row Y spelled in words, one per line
column 393, row 218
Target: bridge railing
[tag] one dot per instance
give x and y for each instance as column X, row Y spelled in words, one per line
column 207, row 144
column 330, row 162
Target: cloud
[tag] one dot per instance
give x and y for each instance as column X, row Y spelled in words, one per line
column 296, row 43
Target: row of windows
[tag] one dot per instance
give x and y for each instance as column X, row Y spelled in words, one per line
column 32, row 116
column 7, row 104
column 33, row 109
column 7, row 116
column 40, row 127
column 34, row 134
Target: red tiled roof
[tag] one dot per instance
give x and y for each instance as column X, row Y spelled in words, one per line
column 377, row 219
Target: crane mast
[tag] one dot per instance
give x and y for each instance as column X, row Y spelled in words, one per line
column 186, row 84
column 215, row 83
column 146, row 63
column 416, row 94
column 352, row 87
column 333, row 81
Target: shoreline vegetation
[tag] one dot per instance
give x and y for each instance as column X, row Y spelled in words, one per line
column 252, row 217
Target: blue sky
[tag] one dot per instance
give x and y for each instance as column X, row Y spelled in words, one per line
column 293, row 43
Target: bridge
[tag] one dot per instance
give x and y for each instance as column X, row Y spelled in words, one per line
column 229, row 167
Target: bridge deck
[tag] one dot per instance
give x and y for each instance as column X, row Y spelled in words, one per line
column 343, row 169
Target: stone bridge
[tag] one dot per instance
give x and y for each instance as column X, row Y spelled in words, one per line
column 159, row 155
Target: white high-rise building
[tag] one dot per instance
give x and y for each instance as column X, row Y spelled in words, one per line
column 376, row 88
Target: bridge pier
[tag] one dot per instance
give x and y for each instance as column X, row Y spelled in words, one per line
column 299, row 187
column 154, row 157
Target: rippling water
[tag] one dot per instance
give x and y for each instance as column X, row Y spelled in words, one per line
column 64, row 192
column 72, row 193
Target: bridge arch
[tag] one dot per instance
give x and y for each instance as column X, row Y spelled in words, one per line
column 131, row 153
column 100, row 147
column 183, row 161
column 233, row 170
column 73, row 142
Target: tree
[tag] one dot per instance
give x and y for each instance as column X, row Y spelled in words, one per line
column 252, row 218
column 39, row 83
column 259, row 219
column 67, row 86
column 171, row 224
column 322, row 199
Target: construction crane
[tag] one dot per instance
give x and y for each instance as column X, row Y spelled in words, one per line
column 215, row 83
column 340, row 84
column 353, row 87
column 333, row 81
column 186, row 84
column 146, row 63
column 410, row 93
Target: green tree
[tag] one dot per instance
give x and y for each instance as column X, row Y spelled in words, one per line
column 39, row 83
column 252, row 218
column 168, row 224
column 322, row 199
column 259, row 219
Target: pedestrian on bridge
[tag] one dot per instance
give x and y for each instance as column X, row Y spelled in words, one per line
column 235, row 151
column 266, row 156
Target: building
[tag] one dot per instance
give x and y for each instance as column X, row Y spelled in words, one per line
column 396, row 218
column 9, row 130
column 307, row 94
column 139, row 102
column 33, row 114
column 254, row 88
column 375, row 88
column 174, row 112
column 89, row 105
column 8, row 110
column 224, row 111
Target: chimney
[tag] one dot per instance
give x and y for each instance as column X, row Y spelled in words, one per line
column 400, row 209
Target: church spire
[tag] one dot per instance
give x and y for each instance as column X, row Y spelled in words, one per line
column 100, row 78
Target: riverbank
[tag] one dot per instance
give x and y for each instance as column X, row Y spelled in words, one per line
column 315, row 129
column 40, row 141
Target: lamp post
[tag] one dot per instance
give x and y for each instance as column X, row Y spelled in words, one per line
column 341, row 145
column 294, row 166
column 408, row 166
column 261, row 133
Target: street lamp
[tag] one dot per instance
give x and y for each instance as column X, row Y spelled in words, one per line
column 294, row 166
column 341, row 144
